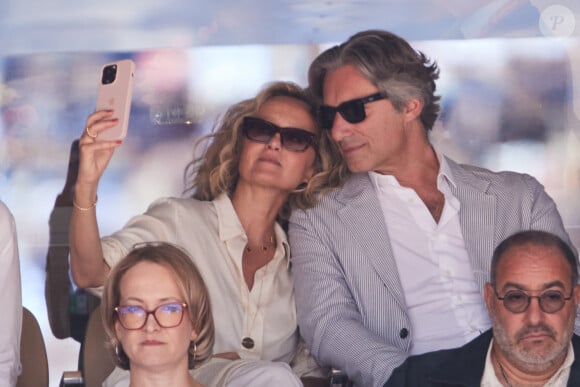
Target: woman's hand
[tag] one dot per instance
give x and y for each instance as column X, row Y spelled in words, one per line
column 95, row 155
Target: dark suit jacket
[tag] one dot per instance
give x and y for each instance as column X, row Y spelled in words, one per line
column 459, row 366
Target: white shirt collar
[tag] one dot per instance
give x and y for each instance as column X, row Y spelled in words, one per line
column 445, row 176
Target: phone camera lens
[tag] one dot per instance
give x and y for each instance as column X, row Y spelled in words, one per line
column 109, row 74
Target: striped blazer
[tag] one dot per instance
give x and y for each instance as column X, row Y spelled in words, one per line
column 350, row 303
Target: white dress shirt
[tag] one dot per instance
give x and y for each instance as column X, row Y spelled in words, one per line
column 10, row 300
column 444, row 303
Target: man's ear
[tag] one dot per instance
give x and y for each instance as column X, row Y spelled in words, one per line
column 413, row 108
column 577, row 295
column 488, row 296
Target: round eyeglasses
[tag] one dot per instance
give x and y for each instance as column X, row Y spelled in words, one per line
column 133, row 317
column 518, row 301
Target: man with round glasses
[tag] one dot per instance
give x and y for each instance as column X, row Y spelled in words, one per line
column 393, row 263
column 532, row 299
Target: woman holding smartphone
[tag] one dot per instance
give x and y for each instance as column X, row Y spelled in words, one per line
column 266, row 157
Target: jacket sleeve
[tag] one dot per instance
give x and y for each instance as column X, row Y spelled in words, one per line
column 328, row 315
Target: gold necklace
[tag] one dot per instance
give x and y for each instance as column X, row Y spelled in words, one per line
column 264, row 247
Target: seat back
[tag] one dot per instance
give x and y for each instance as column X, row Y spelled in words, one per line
column 32, row 353
column 97, row 361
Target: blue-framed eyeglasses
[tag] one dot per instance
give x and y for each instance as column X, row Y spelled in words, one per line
column 133, row 317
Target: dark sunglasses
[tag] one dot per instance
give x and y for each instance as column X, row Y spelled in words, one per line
column 518, row 301
column 353, row 111
column 262, row 131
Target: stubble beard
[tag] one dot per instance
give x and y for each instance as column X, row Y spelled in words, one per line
column 527, row 358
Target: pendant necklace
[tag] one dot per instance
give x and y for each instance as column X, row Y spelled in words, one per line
column 247, row 341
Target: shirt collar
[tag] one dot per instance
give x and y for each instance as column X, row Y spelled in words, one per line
column 230, row 227
column 444, row 177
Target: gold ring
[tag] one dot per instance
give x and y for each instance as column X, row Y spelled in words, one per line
column 91, row 135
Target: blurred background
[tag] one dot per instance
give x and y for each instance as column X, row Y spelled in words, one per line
column 510, row 87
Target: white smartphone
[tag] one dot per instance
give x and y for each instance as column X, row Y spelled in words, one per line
column 115, row 92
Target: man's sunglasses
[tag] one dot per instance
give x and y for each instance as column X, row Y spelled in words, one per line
column 518, row 301
column 353, row 111
column 262, row 131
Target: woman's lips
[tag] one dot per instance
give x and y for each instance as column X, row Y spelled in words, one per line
column 271, row 160
column 152, row 342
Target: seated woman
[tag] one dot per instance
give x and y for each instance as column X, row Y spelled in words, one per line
column 156, row 312
column 266, row 157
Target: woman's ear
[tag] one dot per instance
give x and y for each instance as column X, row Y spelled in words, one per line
column 194, row 335
column 301, row 186
column 118, row 330
column 309, row 172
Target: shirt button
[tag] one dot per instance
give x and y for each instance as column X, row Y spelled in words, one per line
column 404, row 333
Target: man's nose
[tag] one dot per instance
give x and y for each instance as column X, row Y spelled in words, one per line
column 341, row 128
column 534, row 313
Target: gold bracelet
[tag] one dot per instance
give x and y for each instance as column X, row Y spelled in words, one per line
column 85, row 208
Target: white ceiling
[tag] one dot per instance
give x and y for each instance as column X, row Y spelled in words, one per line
column 29, row 26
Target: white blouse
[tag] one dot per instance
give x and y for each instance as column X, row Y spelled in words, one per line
column 214, row 237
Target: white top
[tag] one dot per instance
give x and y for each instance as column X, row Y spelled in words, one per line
column 445, row 306
column 10, row 300
column 560, row 378
column 213, row 236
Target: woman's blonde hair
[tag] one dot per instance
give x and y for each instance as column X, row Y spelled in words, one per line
column 191, row 286
column 216, row 171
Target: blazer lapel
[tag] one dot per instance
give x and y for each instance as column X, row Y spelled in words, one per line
column 362, row 215
column 477, row 219
column 465, row 365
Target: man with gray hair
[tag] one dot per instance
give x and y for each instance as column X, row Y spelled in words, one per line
column 393, row 262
